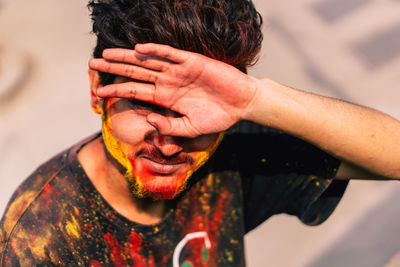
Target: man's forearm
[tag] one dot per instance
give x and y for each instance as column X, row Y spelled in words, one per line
column 360, row 135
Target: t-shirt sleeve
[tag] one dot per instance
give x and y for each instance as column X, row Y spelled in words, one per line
column 283, row 174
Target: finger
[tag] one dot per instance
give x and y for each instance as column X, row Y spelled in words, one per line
column 163, row 51
column 172, row 126
column 135, row 58
column 122, row 69
column 140, row 91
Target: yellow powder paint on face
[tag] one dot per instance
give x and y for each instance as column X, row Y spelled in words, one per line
column 113, row 146
column 97, row 109
column 140, row 190
column 73, row 228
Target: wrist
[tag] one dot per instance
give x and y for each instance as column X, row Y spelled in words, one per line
column 254, row 88
column 261, row 107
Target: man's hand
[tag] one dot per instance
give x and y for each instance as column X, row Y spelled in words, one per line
column 210, row 95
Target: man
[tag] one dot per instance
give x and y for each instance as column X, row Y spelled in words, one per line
column 169, row 182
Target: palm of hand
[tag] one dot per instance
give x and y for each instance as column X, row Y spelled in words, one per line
column 210, row 95
column 205, row 92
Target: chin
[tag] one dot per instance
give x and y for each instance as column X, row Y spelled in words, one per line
column 158, row 187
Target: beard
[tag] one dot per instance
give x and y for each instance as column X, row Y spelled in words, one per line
column 144, row 183
column 160, row 192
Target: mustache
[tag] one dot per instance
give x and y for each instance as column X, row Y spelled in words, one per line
column 155, row 155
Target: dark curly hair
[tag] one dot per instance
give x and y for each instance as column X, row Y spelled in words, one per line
column 226, row 30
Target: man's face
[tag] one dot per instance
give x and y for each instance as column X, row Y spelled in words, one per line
column 155, row 166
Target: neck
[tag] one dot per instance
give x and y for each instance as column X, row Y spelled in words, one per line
column 114, row 187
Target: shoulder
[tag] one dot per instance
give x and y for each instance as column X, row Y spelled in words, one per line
column 28, row 191
column 36, row 191
column 273, row 152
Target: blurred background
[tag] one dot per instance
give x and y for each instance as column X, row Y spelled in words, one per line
column 349, row 49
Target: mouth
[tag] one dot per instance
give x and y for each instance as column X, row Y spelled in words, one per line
column 163, row 167
column 158, row 164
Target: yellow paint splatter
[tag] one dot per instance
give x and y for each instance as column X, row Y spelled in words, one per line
column 16, row 209
column 73, row 228
column 36, row 243
column 229, row 256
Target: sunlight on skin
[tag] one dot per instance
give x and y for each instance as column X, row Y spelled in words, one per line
column 144, row 179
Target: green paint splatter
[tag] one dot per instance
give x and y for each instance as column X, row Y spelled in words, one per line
column 206, row 255
column 187, row 264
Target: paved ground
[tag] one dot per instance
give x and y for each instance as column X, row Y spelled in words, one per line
column 343, row 48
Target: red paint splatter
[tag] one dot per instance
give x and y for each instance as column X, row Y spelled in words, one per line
column 132, row 247
column 95, row 263
column 47, row 188
column 116, row 250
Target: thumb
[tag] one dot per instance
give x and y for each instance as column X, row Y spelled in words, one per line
column 172, row 126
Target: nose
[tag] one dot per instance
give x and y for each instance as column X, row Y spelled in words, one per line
column 168, row 145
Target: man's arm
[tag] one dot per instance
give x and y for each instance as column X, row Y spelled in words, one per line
column 212, row 96
column 359, row 135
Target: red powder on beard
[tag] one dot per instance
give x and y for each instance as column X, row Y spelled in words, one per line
column 161, row 189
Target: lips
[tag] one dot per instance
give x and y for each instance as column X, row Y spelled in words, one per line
column 162, row 168
column 156, row 163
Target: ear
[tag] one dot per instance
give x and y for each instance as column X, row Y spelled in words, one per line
column 95, row 101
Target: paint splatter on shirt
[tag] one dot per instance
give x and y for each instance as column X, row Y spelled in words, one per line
column 56, row 217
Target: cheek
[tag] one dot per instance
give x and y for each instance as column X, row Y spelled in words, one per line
column 206, row 145
column 125, row 124
column 127, row 128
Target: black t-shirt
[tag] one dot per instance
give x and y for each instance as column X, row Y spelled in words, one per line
column 57, row 217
